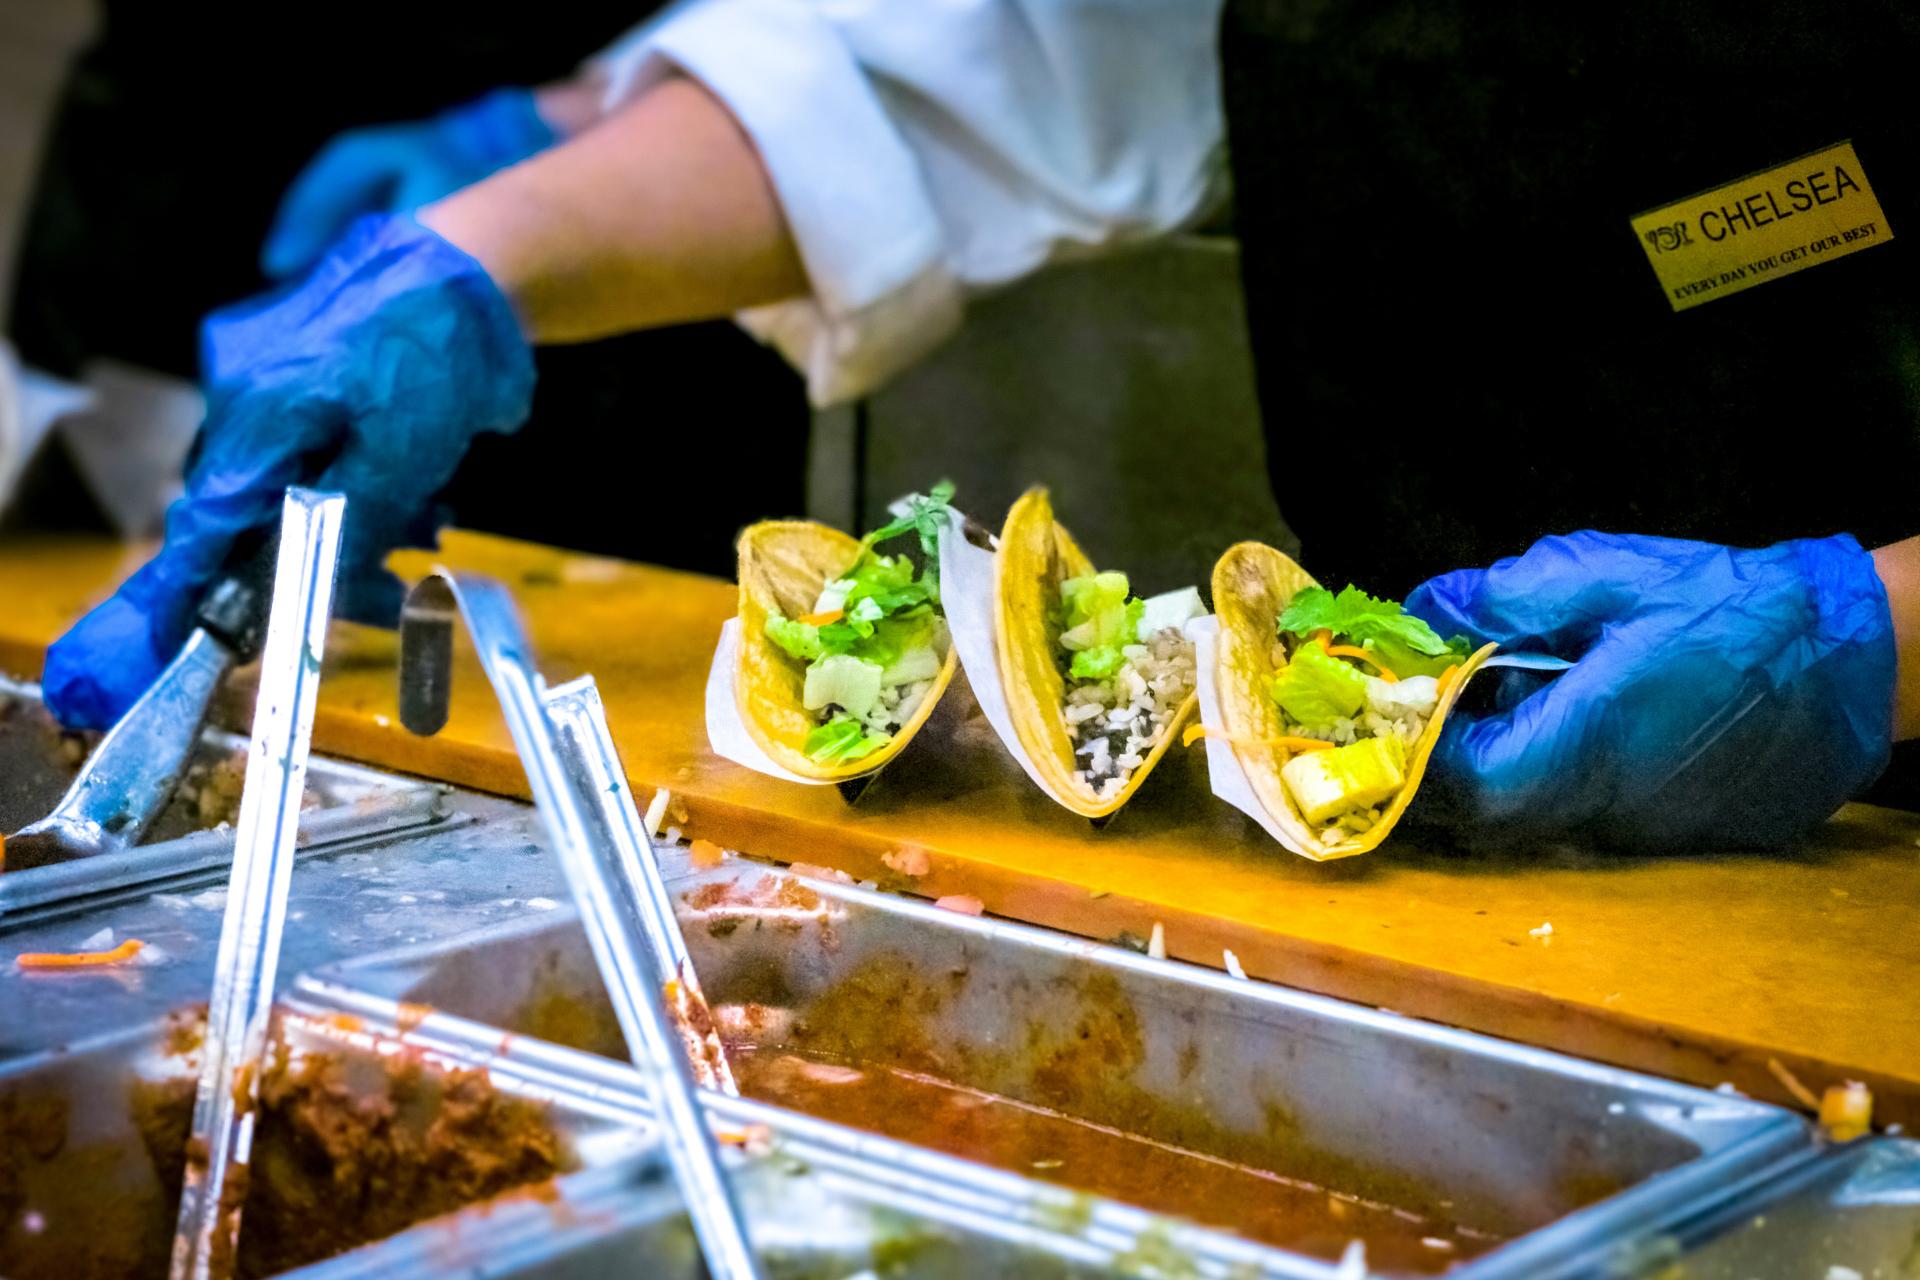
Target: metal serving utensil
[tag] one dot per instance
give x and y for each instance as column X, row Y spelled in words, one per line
column 581, row 795
column 126, row 783
column 241, row 1008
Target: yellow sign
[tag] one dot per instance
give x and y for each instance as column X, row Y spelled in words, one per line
column 1761, row 227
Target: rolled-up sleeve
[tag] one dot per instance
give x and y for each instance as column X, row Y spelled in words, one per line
column 925, row 152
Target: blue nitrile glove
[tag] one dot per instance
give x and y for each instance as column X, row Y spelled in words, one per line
column 371, row 377
column 1721, row 698
column 397, row 168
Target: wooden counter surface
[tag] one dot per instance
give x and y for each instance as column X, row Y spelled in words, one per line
column 1704, row 968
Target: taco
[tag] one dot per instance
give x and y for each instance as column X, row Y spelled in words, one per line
column 843, row 650
column 1097, row 680
column 1332, row 703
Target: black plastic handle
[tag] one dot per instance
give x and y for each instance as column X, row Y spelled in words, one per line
column 235, row 610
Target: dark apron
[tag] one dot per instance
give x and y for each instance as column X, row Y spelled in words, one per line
column 178, row 131
column 1460, row 342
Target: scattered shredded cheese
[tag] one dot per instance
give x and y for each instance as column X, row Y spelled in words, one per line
column 1803, row 1095
column 1195, row 732
column 657, row 812
column 706, row 855
column 1544, row 932
column 1233, row 965
column 1157, row 943
column 79, row 959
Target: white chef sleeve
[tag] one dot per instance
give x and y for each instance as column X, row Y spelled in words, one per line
column 923, row 150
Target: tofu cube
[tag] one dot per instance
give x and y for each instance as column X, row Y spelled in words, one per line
column 1326, row 784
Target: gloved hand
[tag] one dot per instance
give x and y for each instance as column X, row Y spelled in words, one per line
column 397, row 168
column 1720, row 698
column 371, row 377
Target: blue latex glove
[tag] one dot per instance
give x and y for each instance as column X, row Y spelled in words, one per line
column 397, row 168
column 1721, row 698
column 371, row 377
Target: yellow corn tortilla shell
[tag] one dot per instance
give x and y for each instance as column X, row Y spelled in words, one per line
column 1252, row 585
column 1037, row 555
column 783, row 566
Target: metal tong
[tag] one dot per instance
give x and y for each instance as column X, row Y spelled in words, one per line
column 238, row 1016
column 131, row 774
column 594, row 826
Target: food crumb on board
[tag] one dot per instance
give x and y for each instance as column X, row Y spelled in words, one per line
column 1544, row 932
column 814, row 871
column 908, row 862
column 964, row 903
column 706, row 855
column 1838, row 1272
column 382, row 722
column 542, row 904
column 1157, row 941
column 1439, row 1243
column 657, row 812
column 1846, row 1111
column 1232, row 962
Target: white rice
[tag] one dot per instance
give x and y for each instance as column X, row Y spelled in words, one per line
column 896, row 706
column 1402, row 709
column 1116, row 723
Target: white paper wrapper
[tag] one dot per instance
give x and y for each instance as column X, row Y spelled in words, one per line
column 967, row 597
column 726, row 732
column 1224, row 774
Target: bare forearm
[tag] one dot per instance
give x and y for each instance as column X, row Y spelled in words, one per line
column 570, row 106
column 661, row 213
column 1899, row 568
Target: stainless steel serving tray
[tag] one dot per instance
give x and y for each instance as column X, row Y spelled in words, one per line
column 1563, row 1156
column 822, row 1200
column 348, row 805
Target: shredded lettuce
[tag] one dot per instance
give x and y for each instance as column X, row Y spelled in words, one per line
column 841, row 680
column 799, row 639
column 1406, row 645
column 1316, row 689
column 842, row 738
column 1098, row 619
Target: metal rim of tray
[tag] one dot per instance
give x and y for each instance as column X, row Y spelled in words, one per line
column 397, row 806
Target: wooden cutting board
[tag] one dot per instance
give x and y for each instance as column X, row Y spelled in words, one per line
column 1712, row 968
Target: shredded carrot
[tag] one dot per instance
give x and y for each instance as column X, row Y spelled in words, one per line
column 822, row 619
column 1446, row 678
column 1195, row 732
column 1323, row 638
column 705, row 854
column 1354, row 651
column 79, row 959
